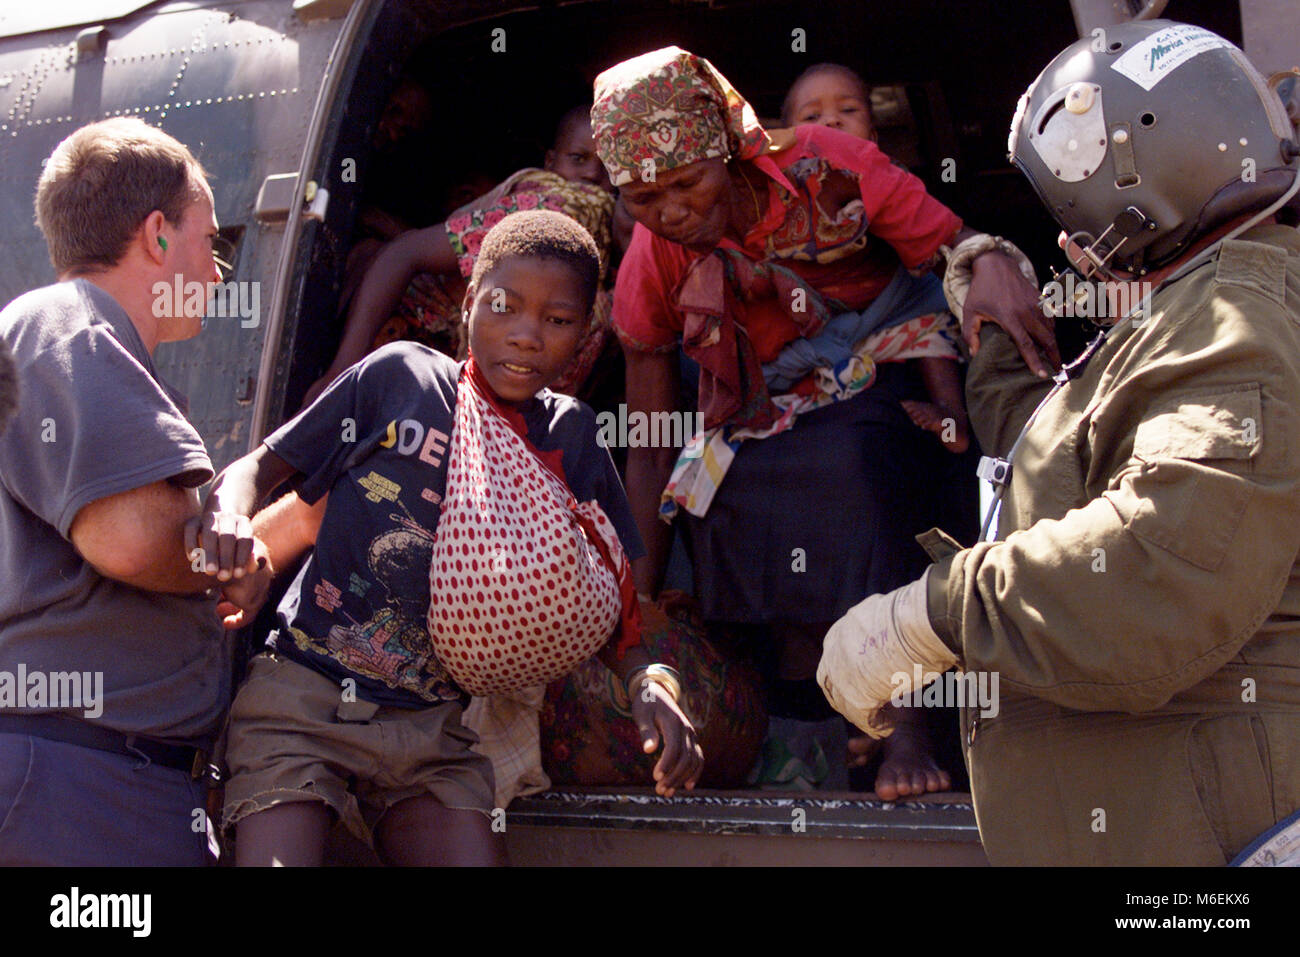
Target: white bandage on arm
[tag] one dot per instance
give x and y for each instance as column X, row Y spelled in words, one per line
column 870, row 654
column 957, row 276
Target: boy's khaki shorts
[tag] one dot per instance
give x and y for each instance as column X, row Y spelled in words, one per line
column 291, row 738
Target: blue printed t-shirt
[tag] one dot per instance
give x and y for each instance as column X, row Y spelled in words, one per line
column 378, row 441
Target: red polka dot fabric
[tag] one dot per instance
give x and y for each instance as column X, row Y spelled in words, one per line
column 521, row 593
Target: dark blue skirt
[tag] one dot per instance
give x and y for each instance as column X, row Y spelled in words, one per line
column 808, row 523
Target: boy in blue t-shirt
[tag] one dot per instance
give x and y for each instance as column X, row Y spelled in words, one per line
column 351, row 711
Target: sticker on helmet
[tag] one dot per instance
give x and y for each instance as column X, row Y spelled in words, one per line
column 1149, row 62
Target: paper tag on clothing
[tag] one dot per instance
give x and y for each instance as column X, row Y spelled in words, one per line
column 1153, row 59
column 1279, row 846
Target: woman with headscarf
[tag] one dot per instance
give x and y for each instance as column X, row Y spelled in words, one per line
column 756, row 249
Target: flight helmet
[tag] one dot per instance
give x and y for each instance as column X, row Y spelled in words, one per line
column 1146, row 135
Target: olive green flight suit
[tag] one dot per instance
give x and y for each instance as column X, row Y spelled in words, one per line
column 1142, row 608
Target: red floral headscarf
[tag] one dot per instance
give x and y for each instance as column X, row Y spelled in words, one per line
column 670, row 108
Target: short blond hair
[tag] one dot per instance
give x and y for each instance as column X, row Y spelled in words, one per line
column 101, row 182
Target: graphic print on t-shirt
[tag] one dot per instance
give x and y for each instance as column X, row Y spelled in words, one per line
column 391, row 642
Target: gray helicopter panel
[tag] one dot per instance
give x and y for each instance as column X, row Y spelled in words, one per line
column 237, row 82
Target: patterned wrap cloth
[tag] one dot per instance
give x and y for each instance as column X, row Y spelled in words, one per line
column 704, row 461
column 527, row 582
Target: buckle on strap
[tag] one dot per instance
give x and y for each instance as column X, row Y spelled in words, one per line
column 177, row 757
column 995, row 471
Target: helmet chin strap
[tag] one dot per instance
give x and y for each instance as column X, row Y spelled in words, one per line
column 998, row 471
column 1127, row 224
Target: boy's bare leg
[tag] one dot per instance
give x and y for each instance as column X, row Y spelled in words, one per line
column 420, row 832
column 909, row 767
column 287, row 835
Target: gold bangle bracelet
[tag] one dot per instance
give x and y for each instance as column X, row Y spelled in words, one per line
column 661, row 675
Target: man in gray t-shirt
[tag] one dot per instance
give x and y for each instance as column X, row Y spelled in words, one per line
column 8, row 386
column 114, row 666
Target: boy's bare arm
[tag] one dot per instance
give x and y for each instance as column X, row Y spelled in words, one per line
column 224, row 530
column 280, row 533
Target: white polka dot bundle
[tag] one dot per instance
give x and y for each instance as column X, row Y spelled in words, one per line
column 522, row 580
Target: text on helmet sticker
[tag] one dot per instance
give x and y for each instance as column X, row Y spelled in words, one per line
column 1149, row 62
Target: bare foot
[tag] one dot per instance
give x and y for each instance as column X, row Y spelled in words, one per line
column 909, row 767
column 949, row 426
column 862, row 748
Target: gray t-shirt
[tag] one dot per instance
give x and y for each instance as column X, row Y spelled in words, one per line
column 95, row 420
